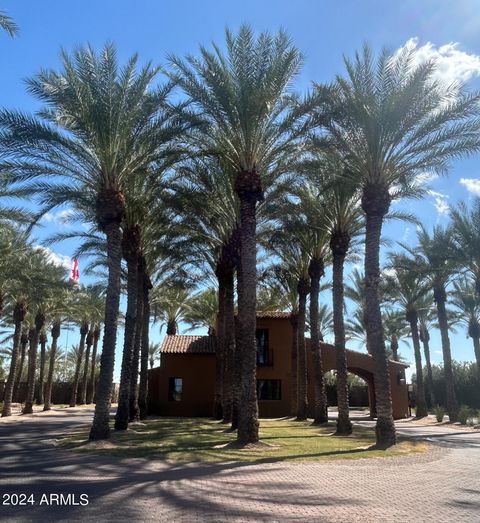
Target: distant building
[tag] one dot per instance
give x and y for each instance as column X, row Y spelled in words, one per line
column 184, row 383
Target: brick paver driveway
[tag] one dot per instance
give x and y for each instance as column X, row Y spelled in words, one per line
column 442, row 485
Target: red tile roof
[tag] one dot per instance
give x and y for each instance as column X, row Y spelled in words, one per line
column 182, row 344
column 273, row 315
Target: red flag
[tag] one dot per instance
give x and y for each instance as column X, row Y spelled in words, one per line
column 75, row 277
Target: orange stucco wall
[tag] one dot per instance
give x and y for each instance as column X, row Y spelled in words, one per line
column 198, row 373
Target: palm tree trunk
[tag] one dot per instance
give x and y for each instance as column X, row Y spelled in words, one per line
column 18, row 316
column 31, row 366
column 220, row 350
column 302, row 399
column 100, row 426
column 412, row 319
column 23, row 351
column 143, row 388
column 440, row 297
column 78, row 366
column 316, row 271
column 293, row 365
column 134, row 410
column 476, row 347
column 130, row 246
column 425, row 339
column 229, row 344
column 32, row 361
column 51, row 367
column 394, row 347
column 84, row 382
column 248, row 189
column 375, row 203
column 171, row 328
column 339, row 244
column 237, row 370
column 474, row 333
column 91, row 387
column 41, row 374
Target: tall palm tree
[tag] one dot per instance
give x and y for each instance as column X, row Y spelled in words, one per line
column 466, row 234
column 425, row 320
column 395, row 329
column 23, row 352
column 48, row 280
column 406, row 289
column 100, row 126
column 293, row 271
column 467, row 301
column 435, row 260
column 242, row 96
column 95, row 305
column 340, row 204
column 42, row 339
column 205, row 203
column 91, row 386
column 18, row 317
column 392, row 120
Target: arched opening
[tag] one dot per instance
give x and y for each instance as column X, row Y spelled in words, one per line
column 360, row 385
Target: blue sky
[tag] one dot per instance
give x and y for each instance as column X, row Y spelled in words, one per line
column 323, row 30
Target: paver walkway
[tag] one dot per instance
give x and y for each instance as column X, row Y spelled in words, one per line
column 441, row 486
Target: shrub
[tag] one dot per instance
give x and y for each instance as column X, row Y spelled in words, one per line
column 464, row 414
column 439, row 412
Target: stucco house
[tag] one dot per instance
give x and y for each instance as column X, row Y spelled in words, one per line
column 184, row 383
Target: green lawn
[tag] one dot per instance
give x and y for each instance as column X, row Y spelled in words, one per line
column 200, row 439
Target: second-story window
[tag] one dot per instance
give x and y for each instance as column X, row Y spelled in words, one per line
column 263, row 354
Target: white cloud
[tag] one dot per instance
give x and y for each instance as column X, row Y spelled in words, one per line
column 440, row 202
column 61, row 218
column 452, row 64
column 472, row 185
column 61, row 260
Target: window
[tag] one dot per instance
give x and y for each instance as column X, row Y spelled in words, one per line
column 263, row 354
column 269, row 389
column 175, row 389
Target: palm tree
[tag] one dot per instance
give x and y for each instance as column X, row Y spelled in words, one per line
column 202, row 310
column 242, row 98
column 391, row 121
column 7, row 24
column 101, row 126
column 41, row 370
column 84, row 329
column 425, row 319
column 406, row 289
column 55, row 333
column 435, row 260
column 292, row 271
column 466, row 234
column 91, row 386
column 169, row 302
column 340, row 203
column 467, row 301
column 206, row 205
column 23, row 352
column 325, row 321
column 395, row 328
column 18, row 317
column 49, row 278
